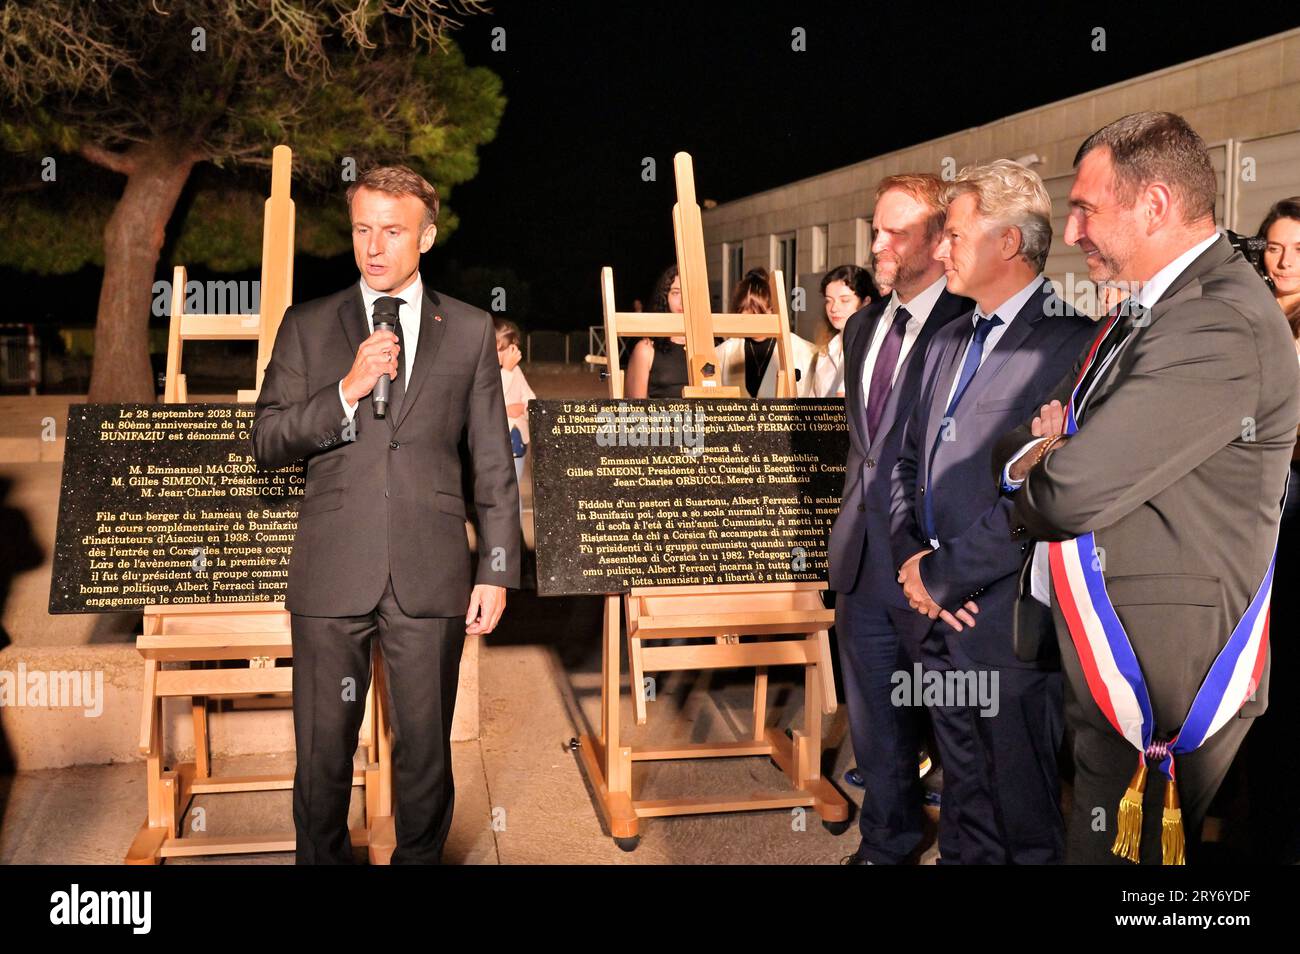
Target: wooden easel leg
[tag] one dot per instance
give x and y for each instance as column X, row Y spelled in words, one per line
column 617, row 757
column 383, row 836
column 605, row 678
column 807, row 740
column 812, row 715
column 760, row 703
column 827, row 801
column 146, row 847
column 617, row 769
column 371, row 746
column 170, row 797
column 825, row 669
column 636, row 679
column 199, row 713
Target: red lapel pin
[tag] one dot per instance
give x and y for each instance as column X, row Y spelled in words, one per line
column 437, row 317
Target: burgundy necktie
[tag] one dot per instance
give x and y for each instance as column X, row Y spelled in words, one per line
column 882, row 375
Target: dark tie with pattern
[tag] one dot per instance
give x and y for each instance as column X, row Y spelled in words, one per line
column 397, row 389
column 882, row 375
column 1128, row 310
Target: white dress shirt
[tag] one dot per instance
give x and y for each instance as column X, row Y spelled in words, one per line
column 408, row 313
column 919, row 309
column 1040, row 574
column 827, row 370
column 1007, row 311
column 516, row 390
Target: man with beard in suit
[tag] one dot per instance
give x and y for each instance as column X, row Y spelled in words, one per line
column 883, row 344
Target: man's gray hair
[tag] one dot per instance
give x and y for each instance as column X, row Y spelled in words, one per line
column 1011, row 195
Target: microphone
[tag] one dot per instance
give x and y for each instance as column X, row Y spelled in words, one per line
column 385, row 316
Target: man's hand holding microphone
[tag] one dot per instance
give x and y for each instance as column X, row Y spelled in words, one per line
column 374, row 367
column 376, row 358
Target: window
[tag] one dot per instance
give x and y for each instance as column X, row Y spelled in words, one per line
column 733, row 264
column 784, row 255
column 819, row 233
column 862, row 243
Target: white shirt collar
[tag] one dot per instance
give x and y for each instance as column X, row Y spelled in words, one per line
column 923, row 302
column 411, row 296
column 1008, row 310
column 1151, row 291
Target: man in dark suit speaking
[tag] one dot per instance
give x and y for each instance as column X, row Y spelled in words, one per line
column 381, row 547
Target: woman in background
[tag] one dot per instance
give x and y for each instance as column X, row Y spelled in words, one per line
column 845, row 290
column 1281, row 230
column 747, row 362
column 1273, row 756
column 517, row 396
column 657, row 368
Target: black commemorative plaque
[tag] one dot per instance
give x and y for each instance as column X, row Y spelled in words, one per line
column 699, row 491
column 163, row 503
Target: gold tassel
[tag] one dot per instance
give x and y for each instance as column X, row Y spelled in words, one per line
column 1128, row 838
column 1171, row 828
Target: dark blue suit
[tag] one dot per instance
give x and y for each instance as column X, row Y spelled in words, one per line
column 1001, row 793
column 886, row 739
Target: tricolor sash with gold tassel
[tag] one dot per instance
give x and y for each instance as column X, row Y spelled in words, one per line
column 1115, row 680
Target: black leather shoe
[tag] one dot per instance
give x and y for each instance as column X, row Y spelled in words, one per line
column 856, row 859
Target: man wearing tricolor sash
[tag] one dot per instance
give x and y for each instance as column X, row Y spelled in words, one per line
column 1153, row 479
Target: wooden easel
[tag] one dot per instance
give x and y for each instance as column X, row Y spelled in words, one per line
column 202, row 635
column 787, row 623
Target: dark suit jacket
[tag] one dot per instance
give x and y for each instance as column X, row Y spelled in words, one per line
column 1178, row 469
column 861, row 530
column 389, row 500
column 978, row 558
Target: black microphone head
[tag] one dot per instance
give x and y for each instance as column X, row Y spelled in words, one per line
column 386, row 310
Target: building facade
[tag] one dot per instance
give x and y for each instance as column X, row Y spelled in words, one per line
column 1244, row 102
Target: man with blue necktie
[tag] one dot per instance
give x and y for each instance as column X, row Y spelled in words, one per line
column 997, row 719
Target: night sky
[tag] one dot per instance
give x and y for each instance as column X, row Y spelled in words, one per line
column 593, row 88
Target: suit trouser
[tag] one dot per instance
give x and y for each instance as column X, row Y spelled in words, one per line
column 886, row 738
column 1103, row 764
column 1001, row 790
column 331, row 672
